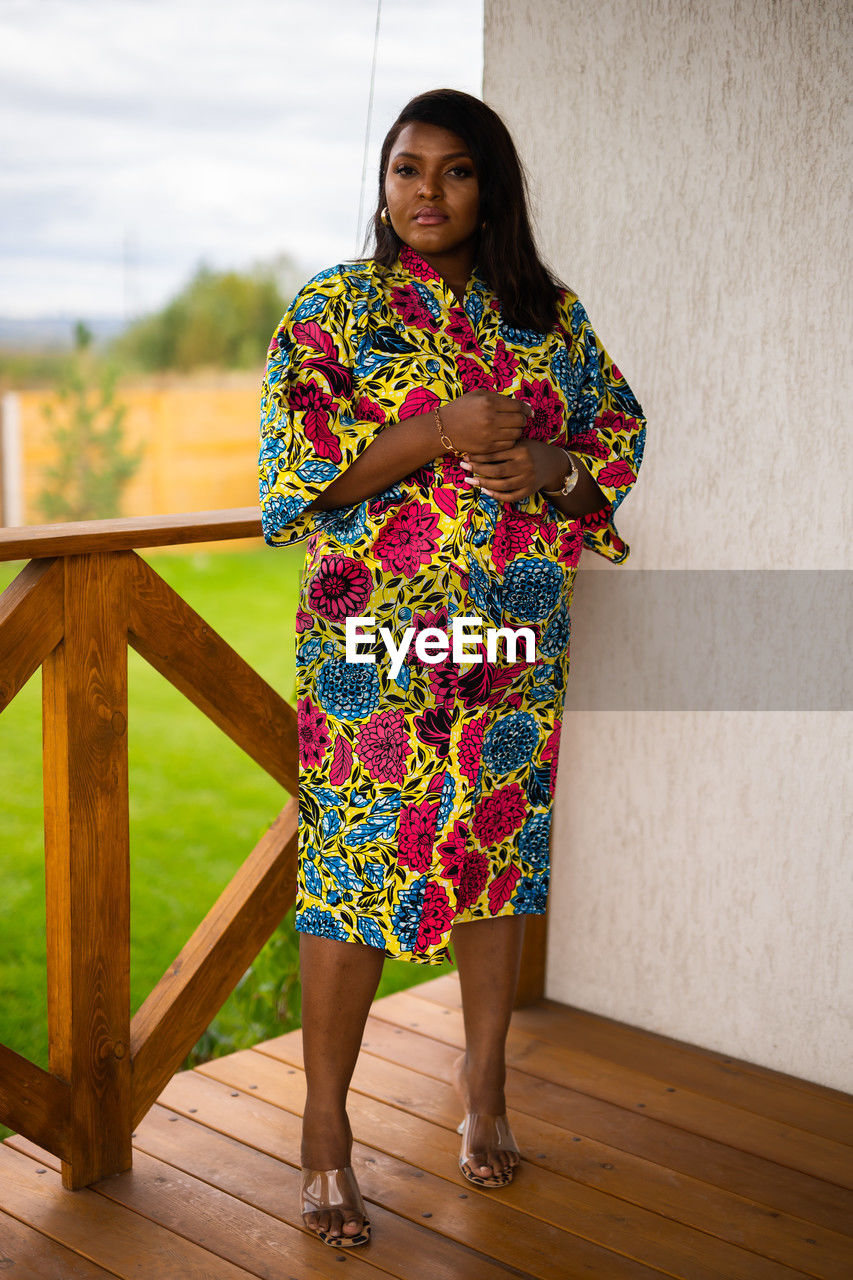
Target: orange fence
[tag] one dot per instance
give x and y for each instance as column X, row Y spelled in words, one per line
column 199, row 439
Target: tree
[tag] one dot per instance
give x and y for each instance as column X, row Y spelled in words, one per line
column 87, row 425
column 222, row 319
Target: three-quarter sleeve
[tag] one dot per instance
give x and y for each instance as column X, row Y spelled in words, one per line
column 309, row 435
column 606, row 428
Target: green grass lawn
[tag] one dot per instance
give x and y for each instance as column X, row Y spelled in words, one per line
column 197, row 807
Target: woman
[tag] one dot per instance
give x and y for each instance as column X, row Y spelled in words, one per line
column 416, row 409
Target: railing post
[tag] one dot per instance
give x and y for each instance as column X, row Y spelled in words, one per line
column 87, row 866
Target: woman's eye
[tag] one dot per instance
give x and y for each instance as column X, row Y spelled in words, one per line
column 402, row 168
column 461, row 170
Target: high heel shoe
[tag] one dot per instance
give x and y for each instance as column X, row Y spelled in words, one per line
column 326, row 1189
column 482, row 1133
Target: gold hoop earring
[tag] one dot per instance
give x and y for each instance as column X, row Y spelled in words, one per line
column 383, row 217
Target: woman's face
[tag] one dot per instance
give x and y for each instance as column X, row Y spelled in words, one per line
column 431, row 190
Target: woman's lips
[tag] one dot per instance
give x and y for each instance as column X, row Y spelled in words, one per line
column 429, row 218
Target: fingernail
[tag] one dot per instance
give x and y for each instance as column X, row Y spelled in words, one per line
column 466, row 466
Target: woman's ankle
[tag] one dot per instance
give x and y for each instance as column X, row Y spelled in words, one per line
column 326, row 1137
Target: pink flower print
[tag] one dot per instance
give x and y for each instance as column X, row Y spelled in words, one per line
column 412, row 309
column 451, row 852
column 416, row 835
column 499, row 814
column 416, row 265
column 382, row 746
column 616, row 475
column 571, row 544
column 409, row 540
column 304, row 621
column 459, row 329
column 471, row 747
column 367, row 410
column 472, row 880
column 313, row 733
column 547, row 420
column 436, row 917
column 551, row 751
column 473, row 375
column 317, row 406
column 339, row 587
column 419, row 400
column 513, row 536
column 504, row 366
column 443, row 680
column 341, row 762
column 451, row 471
column 500, row 890
column 588, row 442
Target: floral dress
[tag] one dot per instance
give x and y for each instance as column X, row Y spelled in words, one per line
column 425, row 795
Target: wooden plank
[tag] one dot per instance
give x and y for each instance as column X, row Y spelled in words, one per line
column 616, row 1082
column 265, row 1243
column 213, row 960
column 600, row 1127
column 549, row 1200
column 691, row 1067
column 557, row 1017
column 182, row 647
column 34, row 1102
column 124, row 1243
column 478, row 1219
column 30, row 624
column 670, row 1217
column 82, row 537
column 270, row 1186
column 87, row 866
column 744, row 1084
column 26, row 1254
column 531, row 976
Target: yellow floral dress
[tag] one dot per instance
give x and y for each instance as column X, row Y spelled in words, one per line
column 426, row 795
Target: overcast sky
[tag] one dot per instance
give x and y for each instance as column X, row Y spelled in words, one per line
column 138, row 137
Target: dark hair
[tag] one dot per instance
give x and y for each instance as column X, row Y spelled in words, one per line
column 507, row 258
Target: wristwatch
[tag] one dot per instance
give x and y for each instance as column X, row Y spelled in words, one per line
column 570, row 481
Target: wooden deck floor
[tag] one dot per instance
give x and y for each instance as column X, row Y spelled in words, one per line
column 643, row 1157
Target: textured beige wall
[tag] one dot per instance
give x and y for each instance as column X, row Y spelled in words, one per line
column 688, row 170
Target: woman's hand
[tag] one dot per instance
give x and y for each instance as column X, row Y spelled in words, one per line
column 484, row 423
column 514, row 473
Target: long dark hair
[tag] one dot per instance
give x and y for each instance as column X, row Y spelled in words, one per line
column 507, row 258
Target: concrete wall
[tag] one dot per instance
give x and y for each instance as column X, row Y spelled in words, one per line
column 688, row 176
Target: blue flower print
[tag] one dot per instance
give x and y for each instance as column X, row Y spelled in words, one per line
column 509, row 744
column 532, row 588
column 324, row 923
column 406, row 918
column 531, row 895
column 348, row 689
column 533, row 840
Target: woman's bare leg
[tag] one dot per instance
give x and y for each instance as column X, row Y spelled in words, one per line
column 339, row 981
column 488, row 957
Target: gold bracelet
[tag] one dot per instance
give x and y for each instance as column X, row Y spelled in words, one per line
column 445, row 439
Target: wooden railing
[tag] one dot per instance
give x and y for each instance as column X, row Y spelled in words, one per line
column 82, row 598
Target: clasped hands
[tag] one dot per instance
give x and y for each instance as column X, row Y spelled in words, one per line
column 486, row 427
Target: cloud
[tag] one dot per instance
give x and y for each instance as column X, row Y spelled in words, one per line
column 137, row 139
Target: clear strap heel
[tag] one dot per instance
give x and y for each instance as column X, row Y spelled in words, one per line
column 326, row 1189
column 480, row 1134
